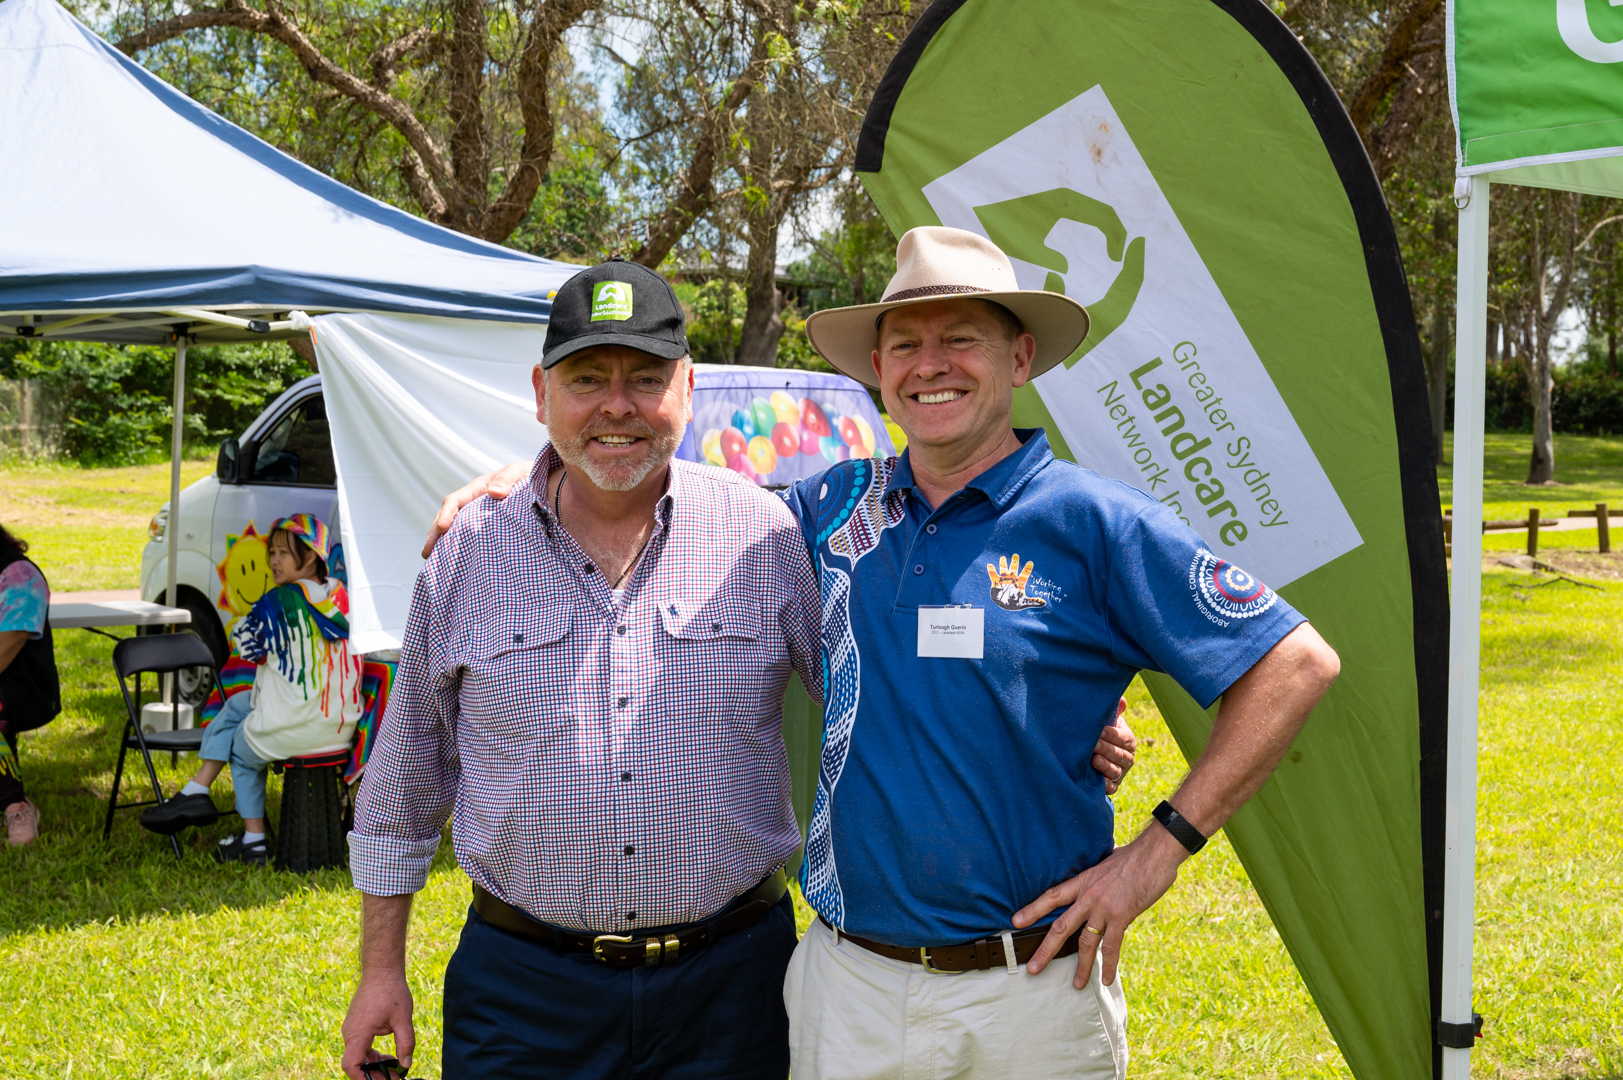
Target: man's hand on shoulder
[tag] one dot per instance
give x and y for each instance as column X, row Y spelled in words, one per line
column 1115, row 751
column 495, row 484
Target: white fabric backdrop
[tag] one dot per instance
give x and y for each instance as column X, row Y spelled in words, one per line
column 418, row 405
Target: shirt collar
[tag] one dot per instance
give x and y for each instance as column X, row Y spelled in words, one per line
column 1003, row 481
column 549, row 460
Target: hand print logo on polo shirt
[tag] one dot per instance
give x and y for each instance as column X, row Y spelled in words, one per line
column 1223, row 591
column 1009, row 584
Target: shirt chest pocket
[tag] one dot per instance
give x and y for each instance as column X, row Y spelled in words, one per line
column 701, row 628
column 518, row 689
column 723, row 654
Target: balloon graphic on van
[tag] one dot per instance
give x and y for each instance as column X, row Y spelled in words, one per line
column 771, row 435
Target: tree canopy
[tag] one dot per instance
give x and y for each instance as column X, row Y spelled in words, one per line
column 707, row 136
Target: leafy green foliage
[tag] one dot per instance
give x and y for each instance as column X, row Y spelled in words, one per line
column 572, row 218
column 850, row 263
column 1582, row 403
column 795, row 348
column 115, row 401
column 715, row 314
column 715, row 317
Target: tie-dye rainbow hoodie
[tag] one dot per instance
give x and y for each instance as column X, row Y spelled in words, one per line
column 307, row 690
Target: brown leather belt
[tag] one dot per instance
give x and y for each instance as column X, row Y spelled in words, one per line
column 982, row 955
column 636, row 950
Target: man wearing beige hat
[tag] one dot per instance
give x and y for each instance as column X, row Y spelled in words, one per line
column 984, row 607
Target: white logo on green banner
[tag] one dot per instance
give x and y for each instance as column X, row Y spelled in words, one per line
column 611, row 300
column 1168, row 393
column 1539, row 83
column 1572, row 19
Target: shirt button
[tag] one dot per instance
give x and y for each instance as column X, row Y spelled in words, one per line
column 589, row 568
column 715, row 628
column 619, row 629
column 517, row 638
column 918, row 568
column 625, row 778
column 630, row 851
column 624, row 701
column 930, row 529
column 631, row 915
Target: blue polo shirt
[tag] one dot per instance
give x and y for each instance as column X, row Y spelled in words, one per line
column 953, row 790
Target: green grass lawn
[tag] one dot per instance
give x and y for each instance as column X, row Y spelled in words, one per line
column 1588, row 470
column 117, row 962
column 86, row 527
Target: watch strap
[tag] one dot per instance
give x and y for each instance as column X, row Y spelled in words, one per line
column 1179, row 826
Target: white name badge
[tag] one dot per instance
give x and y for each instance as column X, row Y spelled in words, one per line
column 952, row 631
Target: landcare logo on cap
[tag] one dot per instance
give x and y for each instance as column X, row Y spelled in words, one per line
column 611, row 300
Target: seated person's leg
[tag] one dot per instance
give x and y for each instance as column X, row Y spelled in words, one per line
column 22, row 816
column 219, row 735
column 192, row 805
column 248, row 779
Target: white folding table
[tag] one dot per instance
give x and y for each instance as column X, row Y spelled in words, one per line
column 93, row 615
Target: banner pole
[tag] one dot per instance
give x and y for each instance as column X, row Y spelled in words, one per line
column 1465, row 614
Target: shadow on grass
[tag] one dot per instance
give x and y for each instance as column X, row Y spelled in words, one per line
column 70, row 876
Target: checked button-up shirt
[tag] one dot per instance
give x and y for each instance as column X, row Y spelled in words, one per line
column 612, row 764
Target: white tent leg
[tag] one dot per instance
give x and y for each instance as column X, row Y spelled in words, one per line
column 1465, row 620
column 173, row 529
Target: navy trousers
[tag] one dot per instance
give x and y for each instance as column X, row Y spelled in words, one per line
column 514, row 1008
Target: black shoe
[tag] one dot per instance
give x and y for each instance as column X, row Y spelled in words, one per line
column 181, row 812
column 233, row 849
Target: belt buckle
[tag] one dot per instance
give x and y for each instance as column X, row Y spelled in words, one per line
column 924, row 958
column 597, row 945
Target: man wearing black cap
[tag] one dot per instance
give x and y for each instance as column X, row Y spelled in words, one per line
column 592, row 676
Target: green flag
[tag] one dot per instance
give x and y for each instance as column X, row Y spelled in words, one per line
column 1183, row 168
column 1538, row 87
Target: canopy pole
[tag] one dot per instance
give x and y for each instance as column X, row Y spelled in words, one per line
column 1465, row 614
column 173, row 529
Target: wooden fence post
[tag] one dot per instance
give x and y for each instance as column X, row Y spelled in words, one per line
column 1532, row 530
column 1604, row 527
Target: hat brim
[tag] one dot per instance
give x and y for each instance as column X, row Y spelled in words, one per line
column 665, row 350
column 847, row 337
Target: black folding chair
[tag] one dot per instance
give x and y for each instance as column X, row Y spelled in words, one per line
column 159, row 655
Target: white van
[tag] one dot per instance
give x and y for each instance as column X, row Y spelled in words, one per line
column 773, row 425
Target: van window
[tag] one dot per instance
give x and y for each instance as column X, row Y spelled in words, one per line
column 298, row 448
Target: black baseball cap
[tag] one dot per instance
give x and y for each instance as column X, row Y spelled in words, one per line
column 615, row 303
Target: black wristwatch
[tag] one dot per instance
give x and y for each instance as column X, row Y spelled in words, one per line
column 1178, row 825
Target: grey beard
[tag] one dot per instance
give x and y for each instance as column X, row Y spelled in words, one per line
column 661, row 449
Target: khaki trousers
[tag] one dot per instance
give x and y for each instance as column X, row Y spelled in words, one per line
column 854, row 1015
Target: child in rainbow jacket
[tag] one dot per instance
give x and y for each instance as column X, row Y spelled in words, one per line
column 306, row 695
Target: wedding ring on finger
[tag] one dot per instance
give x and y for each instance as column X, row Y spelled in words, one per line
column 1094, row 930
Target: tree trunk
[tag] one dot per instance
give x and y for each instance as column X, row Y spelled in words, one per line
column 763, row 318
column 1493, row 341
column 1437, row 374
column 763, row 210
column 1541, row 469
column 1611, row 353
column 1551, row 299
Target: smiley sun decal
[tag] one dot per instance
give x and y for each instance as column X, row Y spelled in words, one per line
column 244, row 572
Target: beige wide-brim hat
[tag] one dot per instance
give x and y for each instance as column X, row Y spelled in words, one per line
column 936, row 263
